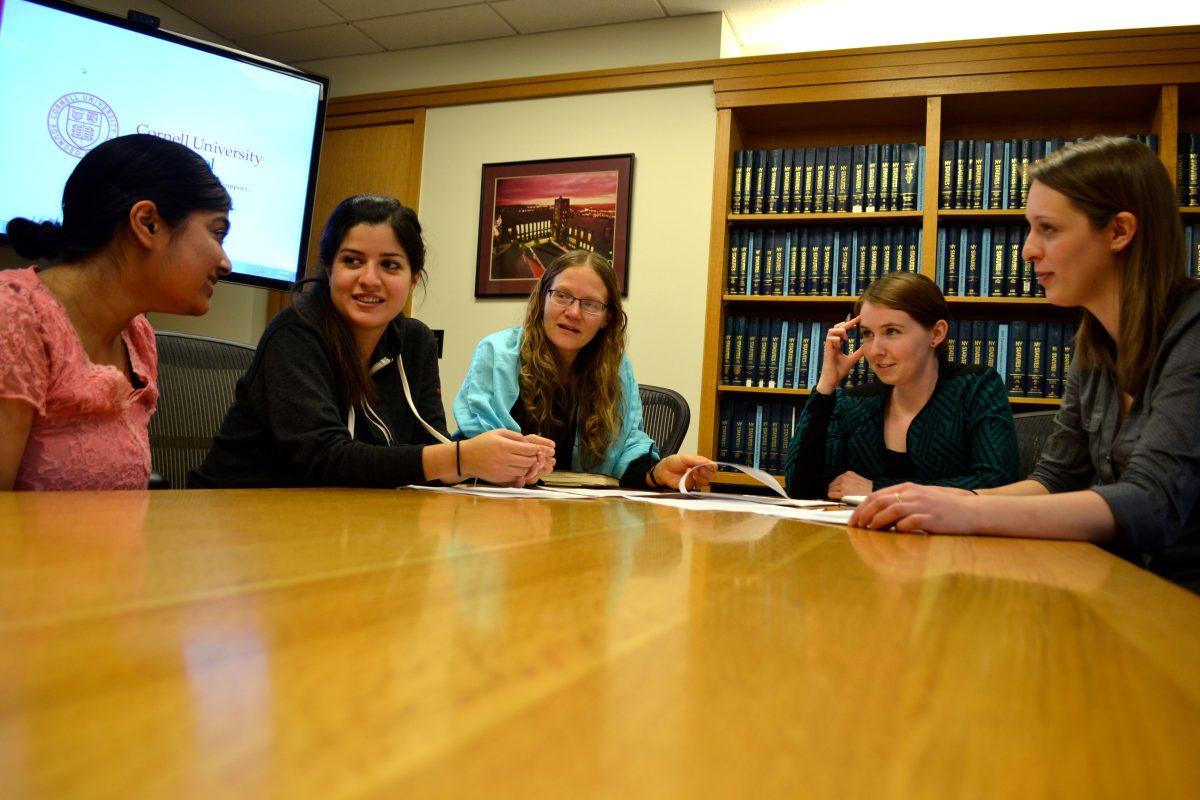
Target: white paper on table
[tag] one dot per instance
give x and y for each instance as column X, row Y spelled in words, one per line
column 854, row 499
column 766, row 479
column 507, row 492
column 719, row 502
column 597, row 493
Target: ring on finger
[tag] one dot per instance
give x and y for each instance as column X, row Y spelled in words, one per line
column 897, row 496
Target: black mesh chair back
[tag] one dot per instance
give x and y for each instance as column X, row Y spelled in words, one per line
column 665, row 417
column 1032, row 430
column 196, row 376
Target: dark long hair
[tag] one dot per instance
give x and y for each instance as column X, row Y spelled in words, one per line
column 1100, row 178
column 107, row 182
column 360, row 209
column 596, row 390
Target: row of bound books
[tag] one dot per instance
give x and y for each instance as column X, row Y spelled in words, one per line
column 861, row 178
column 1187, row 163
column 756, row 434
column 832, row 262
column 984, row 261
column 981, row 174
column 1191, row 239
column 1032, row 356
column 772, row 352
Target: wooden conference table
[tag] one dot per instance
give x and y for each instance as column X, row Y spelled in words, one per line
column 398, row 644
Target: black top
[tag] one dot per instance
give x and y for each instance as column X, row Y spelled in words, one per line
column 563, row 436
column 898, row 464
column 287, row 425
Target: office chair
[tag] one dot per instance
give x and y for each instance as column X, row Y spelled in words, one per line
column 665, row 417
column 1032, row 430
column 196, row 376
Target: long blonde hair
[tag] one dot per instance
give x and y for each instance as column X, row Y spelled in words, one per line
column 595, row 389
column 1102, row 177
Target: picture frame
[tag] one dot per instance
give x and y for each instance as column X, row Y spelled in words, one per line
column 533, row 211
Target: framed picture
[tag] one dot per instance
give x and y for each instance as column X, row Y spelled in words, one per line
column 531, row 212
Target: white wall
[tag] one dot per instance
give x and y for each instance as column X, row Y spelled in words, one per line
column 672, row 133
column 661, row 41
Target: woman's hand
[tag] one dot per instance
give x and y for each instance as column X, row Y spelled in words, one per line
column 913, row 507
column 837, row 363
column 849, row 483
column 505, row 457
column 668, row 471
column 545, row 461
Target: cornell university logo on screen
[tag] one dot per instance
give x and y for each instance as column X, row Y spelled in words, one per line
column 79, row 121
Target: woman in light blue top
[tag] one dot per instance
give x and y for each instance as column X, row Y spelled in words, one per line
column 564, row 375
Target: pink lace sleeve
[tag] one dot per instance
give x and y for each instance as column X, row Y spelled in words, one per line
column 24, row 362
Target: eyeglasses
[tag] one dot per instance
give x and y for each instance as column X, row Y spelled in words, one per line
column 561, row 299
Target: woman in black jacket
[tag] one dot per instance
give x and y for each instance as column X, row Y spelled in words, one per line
column 344, row 389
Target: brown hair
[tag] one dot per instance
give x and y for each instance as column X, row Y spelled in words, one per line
column 915, row 295
column 1102, row 177
column 596, row 389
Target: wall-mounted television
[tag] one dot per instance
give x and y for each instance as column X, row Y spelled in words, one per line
column 74, row 77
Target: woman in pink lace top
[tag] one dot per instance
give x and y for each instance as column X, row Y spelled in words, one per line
column 143, row 224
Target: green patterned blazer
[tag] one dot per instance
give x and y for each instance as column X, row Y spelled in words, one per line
column 964, row 436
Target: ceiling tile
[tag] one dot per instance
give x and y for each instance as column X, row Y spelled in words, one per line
column 369, row 9
column 238, row 19
column 328, row 41
column 462, row 24
column 536, row 16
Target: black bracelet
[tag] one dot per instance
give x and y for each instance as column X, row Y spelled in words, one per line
column 650, row 476
column 458, row 456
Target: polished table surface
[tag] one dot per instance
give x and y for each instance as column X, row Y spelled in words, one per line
column 352, row 643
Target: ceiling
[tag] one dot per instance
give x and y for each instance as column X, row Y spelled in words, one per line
column 305, row 30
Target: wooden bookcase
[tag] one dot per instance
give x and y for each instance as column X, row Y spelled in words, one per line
column 1065, row 86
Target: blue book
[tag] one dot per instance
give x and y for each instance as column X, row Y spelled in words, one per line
column 1018, row 333
column 754, row 435
column 750, row 366
column 965, row 330
column 999, row 254
column 970, row 261
column 952, row 340
column 978, row 342
column 990, row 354
column 921, row 178
column 774, row 362
column 763, row 365
column 1002, row 350
column 845, row 248
column 789, row 242
column 816, row 343
column 752, row 252
column 908, row 176
column 1035, row 384
column 985, row 263
column 940, row 266
column 1054, row 376
column 803, row 342
column 785, row 181
column 787, row 355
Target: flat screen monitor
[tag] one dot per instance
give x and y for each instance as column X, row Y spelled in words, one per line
column 74, row 78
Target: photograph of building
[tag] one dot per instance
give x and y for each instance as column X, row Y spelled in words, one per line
column 539, row 217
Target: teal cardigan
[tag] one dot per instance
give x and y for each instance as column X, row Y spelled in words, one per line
column 492, row 386
column 964, row 436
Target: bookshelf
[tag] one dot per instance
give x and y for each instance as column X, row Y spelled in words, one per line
column 1021, row 88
